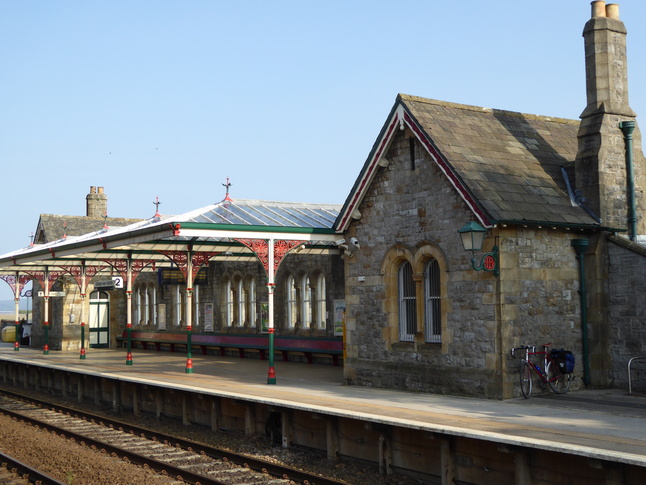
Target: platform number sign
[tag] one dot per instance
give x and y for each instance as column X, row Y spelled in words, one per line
column 112, row 284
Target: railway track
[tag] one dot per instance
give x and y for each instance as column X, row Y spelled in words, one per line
column 15, row 472
column 185, row 460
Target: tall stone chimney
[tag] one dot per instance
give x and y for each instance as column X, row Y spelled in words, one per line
column 601, row 162
column 96, row 203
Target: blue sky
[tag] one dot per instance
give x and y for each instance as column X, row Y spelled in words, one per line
column 168, row 99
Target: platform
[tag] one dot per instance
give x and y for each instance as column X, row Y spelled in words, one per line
column 602, row 424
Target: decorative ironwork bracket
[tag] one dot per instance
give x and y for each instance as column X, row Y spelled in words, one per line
column 489, row 262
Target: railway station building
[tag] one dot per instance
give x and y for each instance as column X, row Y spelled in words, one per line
column 468, row 231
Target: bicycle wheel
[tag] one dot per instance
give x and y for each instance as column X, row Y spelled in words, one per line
column 559, row 383
column 525, row 380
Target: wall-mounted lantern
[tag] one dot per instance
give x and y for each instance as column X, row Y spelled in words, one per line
column 472, row 235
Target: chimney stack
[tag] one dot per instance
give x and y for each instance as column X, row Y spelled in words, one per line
column 96, row 203
column 601, row 175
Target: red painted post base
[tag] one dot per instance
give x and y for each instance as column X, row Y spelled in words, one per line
column 16, row 346
column 189, row 366
column 129, row 358
column 82, row 355
column 46, row 349
column 271, row 377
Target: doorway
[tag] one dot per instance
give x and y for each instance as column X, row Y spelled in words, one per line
column 99, row 322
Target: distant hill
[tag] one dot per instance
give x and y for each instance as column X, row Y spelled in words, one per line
column 7, row 306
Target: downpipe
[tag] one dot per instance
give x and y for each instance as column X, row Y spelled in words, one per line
column 628, row 127
column 580, row 245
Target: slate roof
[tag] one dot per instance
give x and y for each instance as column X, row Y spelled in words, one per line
column 511, row 162
column 506, row 165
column 51, row 226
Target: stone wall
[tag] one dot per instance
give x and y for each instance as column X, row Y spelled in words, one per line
column 539, row 295
column 58, row 325
column 533, row 301
column 627, row 283
column 65, row 329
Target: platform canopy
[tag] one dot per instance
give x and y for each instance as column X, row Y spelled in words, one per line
column 223, row 231
column 232, row 230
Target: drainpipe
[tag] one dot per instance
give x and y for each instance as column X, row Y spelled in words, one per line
column 627, row 127
column 580, row 245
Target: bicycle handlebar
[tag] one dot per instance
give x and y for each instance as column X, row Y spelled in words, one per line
column 531, row 348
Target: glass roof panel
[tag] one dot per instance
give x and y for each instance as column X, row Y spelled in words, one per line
column 265, row 213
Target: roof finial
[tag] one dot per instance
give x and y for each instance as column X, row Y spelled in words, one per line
column 31, row 240
column 227, row 185
column 65, row 230
column 157, row 207
column 105, row 221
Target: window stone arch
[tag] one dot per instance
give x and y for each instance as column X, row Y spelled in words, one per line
column 393, row 259
column 432, row 301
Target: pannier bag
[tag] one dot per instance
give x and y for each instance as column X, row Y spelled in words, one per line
column 565, row 359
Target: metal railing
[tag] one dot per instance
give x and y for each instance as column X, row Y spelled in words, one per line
column 630, row 387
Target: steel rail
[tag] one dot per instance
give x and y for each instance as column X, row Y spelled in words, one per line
column 31, row 474
column 156, row 465
column 243, row 461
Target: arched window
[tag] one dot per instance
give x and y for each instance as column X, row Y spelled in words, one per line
column 153, row 306
column 229, row 302
column 146, row 306
column 292, row 302
column 407, row 303
column 415, row 288
column 432, row 299
column 321, row 302
column 196, row 305
column 252, row 302
column 179, row 305
column 136, row 313
column 241, row 303
column 306, row 302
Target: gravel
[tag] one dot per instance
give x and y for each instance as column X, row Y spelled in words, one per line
column 75, row 465
column 67, row 461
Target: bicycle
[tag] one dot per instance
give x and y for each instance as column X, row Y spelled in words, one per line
column 549, row 373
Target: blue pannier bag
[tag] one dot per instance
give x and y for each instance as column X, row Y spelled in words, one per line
column 565, row 359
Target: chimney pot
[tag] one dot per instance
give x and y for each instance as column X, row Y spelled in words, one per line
column 612, row 11
column 96, row 203
column 598, row 8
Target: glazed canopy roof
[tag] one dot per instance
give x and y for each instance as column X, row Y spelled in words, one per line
column 262, row 213
column 216, row 229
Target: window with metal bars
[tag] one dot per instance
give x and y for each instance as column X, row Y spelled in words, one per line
column 229, row 302
column 321, row 302
column 306, row 302
column 292, row 302
column 432, row 317
column 407, row 303
column 252, row 302
column 242, row 303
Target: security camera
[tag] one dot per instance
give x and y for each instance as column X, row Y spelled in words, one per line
column 339, row 242
column 355, row 242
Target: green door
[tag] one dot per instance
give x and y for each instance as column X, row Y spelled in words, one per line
column 99, row 319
